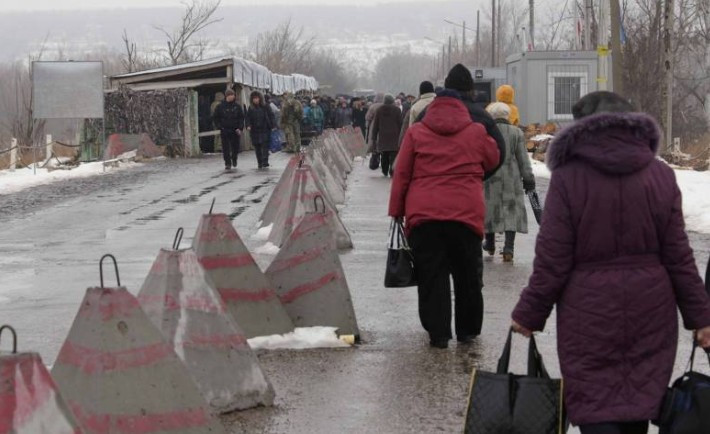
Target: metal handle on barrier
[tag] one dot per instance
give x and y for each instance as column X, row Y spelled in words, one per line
column 214, row 199
column 322, row 201
column 178, row 238
column 14, row 337
column 115, row 267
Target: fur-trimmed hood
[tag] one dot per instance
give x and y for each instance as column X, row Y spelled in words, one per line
column 618, row 143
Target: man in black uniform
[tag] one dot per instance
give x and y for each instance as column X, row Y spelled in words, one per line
column 229, row 118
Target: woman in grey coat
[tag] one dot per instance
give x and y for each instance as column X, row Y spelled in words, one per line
column 505, row 200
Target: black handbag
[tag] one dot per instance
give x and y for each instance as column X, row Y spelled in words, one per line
column 686, row 405
column 399, row 272
column 536, row 206
column 501, row 402
column 374, row 161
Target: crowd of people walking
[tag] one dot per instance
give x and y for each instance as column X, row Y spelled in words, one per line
column 612, row 255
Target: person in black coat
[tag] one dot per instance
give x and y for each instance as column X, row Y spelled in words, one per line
column 229, row 119
column 260, row 123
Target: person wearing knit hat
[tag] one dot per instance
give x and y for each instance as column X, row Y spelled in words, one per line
column 459, row 79
column 437, row 191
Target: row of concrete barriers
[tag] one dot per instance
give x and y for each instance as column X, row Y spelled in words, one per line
column 172, row 357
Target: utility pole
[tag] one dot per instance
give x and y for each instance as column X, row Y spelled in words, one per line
column 667, row 91
column 463, row 43
column 532, row 24
column 603, row 46
column 493, row 33
column 575, row 15
column 499, row 38
column 588, row 10
column 617, row 55
column 443, row 61
column 478, row 38
column 449, row 52
column 706, row 18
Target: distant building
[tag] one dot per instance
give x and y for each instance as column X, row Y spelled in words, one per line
column 173, row 104
column 548, row 83
column 487, row 80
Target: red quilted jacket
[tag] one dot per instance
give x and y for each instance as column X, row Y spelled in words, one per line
column 440, row 168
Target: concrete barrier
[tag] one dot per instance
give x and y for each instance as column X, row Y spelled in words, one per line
column 183, row 304
column 249, row 296
column 309, row 278
column 119, row 375
column 305, row 190
column 30, row 402
column 280, row 192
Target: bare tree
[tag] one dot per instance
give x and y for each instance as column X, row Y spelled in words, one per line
column 182, row 46
column 129, row 62
column 284, row 49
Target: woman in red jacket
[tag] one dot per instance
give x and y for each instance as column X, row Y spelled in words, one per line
column 438, row 188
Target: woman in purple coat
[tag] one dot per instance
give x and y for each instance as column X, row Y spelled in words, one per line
column 613, row 257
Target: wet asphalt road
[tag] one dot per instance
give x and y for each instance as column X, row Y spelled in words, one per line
column 52, row 236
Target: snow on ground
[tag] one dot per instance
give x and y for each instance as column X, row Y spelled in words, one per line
column 11, row 182
column 263, row 233
column 695, row 187
column 299, row 339
column 268, row 249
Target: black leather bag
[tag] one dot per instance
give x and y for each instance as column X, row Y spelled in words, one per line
column 686, row 406
column 504, row 403
column 536, row 205
column 399, row 272
column 374, row 161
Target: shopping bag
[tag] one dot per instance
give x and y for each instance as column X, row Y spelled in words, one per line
column 275, row 142
column 500, row 402
column 374, row 161
column 686, row 406
column 399, row 272
column 536, row 206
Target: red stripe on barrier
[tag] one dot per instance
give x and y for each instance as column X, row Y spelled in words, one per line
column 226, row 261
column 233, row 294
column 93, row 361
column 307, row 256
column 309, row 287
column 111, row 303
column 224, row 342
column 25, row 386
column 140, row 424
column 310, row 223
column 198, row 302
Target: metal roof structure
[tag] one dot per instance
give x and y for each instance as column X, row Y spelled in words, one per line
column 215, row 71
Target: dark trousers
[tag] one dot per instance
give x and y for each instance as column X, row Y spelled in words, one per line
column 387, row 161
column 615, row 428
column 443, row 249
column 230, row 148
column 509, row 246
column 262, row 154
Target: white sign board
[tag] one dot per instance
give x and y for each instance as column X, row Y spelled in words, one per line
column 68, row 90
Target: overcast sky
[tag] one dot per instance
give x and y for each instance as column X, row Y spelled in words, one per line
column 24, row 5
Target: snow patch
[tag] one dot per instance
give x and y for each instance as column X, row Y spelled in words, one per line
column 268, row 249
column 541, row 138
column 299, row 339
column 20, row 179
column 263, row 233
column 359, row 159
column 540, row 169
column 696, row 200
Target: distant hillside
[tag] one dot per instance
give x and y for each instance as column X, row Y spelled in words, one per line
column 348, row 28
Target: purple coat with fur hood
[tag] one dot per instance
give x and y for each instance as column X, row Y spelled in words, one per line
column 613, row 256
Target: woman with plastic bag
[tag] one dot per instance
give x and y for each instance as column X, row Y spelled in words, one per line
column 614, row 259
